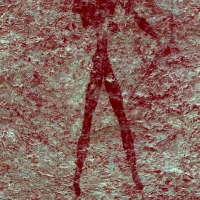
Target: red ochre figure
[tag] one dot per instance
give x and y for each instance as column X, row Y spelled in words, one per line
column 94, row 15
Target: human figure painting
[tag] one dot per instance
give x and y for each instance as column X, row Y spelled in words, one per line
column 99, row 99
column 93, row 14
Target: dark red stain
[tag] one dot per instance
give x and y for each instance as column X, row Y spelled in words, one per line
column 37, row 79
column 94, row 15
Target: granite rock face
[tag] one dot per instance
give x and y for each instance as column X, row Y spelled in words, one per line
column 46, row 61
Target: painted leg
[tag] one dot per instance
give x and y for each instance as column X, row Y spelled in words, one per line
column 128, row 145
column 83, row 144
column 92, row 95
column 116, row 101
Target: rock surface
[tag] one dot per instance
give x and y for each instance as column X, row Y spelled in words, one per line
column 45, row 63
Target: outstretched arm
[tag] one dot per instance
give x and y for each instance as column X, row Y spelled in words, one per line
column 142, row 23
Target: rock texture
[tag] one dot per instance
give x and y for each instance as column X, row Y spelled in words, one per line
column 45, row 64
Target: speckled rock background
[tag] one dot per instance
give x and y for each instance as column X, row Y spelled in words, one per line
column 45, row 60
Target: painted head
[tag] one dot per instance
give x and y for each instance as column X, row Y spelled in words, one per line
column 94, row 12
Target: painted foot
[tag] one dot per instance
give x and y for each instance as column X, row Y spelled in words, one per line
column 139, row 186
column 138, row 182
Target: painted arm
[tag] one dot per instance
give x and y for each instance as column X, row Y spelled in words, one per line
column 141, row 22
